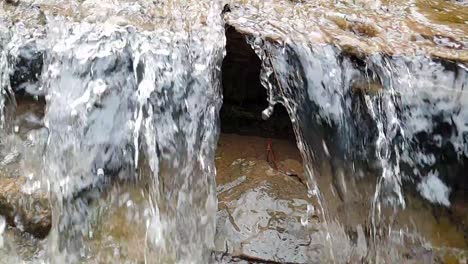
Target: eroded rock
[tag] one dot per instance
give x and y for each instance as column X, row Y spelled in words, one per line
column 12, row 2
column 261, row 213
column 361, row 28
column 27, row 212
column 259, row 222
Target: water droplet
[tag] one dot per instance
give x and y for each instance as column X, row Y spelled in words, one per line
column 2, row 229
column 266, row 114
column 2, row 224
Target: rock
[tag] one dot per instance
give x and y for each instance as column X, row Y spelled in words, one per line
column 28, row 212
column 359, row 29
column 261, row 213
column 459, row 211
column 12, row 2
column 241, row 71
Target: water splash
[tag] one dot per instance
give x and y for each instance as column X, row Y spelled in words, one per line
column 126, row 98
column 339, row 103
column 129, row 101
column 7, row 100
column 135, row 87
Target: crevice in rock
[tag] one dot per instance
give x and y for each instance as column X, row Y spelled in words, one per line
column 258, row 166
column 244, row 97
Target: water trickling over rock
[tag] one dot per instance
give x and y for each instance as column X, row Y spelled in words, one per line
column 122, row 100
column 377, row 105
column 132, row 93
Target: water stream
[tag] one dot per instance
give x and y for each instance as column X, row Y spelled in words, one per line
column 391, row 118
column 122, row 99
column 132, row 97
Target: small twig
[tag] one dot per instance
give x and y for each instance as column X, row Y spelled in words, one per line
column 254, row 259
column 251, row 259
column 271, row 158
column 231, row 219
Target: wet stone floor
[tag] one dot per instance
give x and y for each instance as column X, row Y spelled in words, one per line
column 265, row 215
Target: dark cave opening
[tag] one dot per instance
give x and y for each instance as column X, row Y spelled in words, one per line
column 244, row 97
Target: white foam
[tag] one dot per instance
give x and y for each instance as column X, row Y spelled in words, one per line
column 2, row 229
column 434, row 190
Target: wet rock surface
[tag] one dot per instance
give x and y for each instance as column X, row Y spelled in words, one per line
column 261, row 218
column 360, row 28
column 261, row 212
column 28, row 212
column 357, row 35
column 264, row 215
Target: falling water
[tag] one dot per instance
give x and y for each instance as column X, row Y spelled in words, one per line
column 129, row 104
column 3, row 86
column 132, row 95
column 6, row 98
column 340, row 102
column 124, row 96
column 316, row 85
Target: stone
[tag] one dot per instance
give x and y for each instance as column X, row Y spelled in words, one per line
column 261, row 213
column 27, row 212
column 12, row 2
column 361, row 29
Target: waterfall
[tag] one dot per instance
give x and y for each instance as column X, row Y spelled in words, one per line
column 4, row 79
column 115, row 97
column 132, row 95
column 128, row 104
column 7, row 100
column 375, row 110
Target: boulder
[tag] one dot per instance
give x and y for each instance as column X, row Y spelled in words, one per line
column 29, row 212
column 260, row 214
